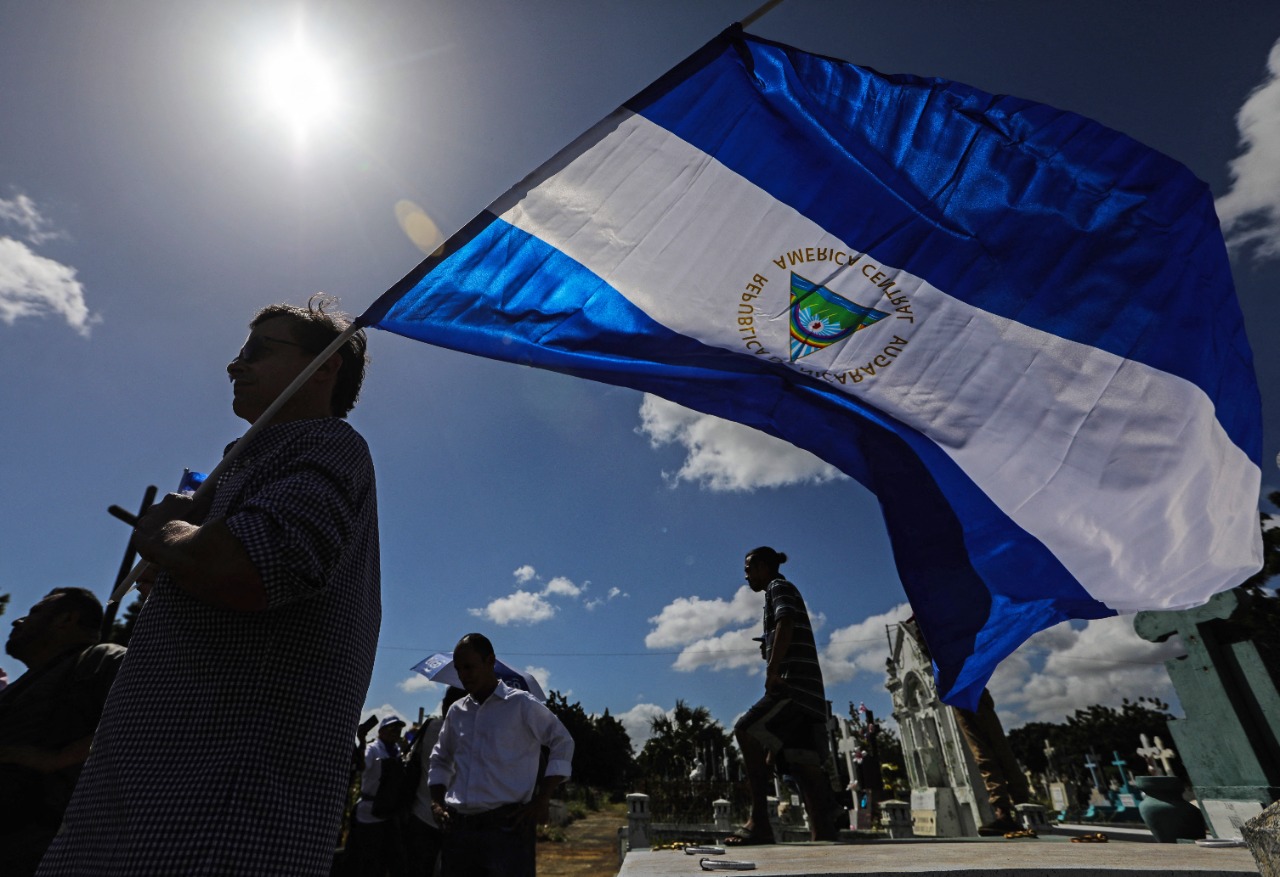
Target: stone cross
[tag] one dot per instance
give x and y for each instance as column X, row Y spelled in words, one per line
column 1124, row 774
column 1231, row 695
column 1166, row 755
column 1120, row 764
column 1092, row 764
column 1049, row 752
column 1149, row 754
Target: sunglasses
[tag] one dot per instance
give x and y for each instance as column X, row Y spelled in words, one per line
column 256, row 347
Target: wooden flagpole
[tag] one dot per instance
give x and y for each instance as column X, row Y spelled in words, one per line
column 211, row 482
column 759, row 13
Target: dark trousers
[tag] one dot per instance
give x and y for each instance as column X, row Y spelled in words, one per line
column 509, row 851
column 422, row 844
column 375, row 849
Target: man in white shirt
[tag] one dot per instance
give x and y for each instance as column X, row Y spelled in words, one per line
column 488, row 789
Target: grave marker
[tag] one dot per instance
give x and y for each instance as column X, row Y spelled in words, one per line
column 1228, row 740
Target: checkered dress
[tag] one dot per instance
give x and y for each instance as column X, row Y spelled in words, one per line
column 225, row 744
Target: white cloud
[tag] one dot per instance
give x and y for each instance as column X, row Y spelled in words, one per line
column 722, row 455
column 542, row 674
column 637, row 720
column 1250, row 212
column 731, row 650
column 561, row 587
column 22, row 212
column 597, row 602
column 1066, row 668
column 34, row 286
column 861, row 647
column 418, row 682
column 688, row 620
column 528, row 606
column 522, row 607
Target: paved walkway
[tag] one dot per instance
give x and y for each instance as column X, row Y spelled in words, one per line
column 1031, row 857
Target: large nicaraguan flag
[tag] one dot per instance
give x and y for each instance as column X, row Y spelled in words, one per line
column 1014, row 325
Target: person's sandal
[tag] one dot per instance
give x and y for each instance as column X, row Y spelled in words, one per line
column 745, row 837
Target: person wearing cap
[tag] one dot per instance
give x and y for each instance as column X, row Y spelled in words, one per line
column 488, row 788
column 375, row 842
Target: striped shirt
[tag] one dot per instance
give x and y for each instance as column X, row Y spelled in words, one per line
column 800, row 668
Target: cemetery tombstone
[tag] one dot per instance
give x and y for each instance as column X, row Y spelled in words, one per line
column 1229, row 740
column 948, row 796
column 1100, row 804
column 1126, row 798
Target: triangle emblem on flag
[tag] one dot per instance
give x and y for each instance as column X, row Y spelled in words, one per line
column 820, row 318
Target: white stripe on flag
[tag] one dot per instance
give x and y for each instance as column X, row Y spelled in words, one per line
column 1121, row 470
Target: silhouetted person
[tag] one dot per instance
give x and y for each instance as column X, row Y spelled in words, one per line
column 47, row 719
column 264, row 620
column 787, row 728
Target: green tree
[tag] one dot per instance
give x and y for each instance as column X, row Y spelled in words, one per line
column 682, row 766
column 1099, row 730
column 1027, row 743
column 682, row 742
column 878, row 742
column 603, row 757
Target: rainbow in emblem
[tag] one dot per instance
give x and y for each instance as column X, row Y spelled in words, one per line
column 820, row 318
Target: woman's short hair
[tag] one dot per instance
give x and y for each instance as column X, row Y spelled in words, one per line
column 315, row 327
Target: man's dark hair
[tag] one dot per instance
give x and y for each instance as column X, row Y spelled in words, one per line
column 478, row 643
column 84, row 603
column 315, row 327
column 766, row 555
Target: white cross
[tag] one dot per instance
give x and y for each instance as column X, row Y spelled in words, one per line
column 1165, row 755
column 1150, row 753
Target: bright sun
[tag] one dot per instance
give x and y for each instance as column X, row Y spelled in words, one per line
column 299, row 86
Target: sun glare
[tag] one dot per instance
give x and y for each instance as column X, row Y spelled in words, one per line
column 299, row 86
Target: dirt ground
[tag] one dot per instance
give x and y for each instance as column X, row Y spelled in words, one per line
column 590, row 848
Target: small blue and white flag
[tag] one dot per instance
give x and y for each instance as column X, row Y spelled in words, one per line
column 1014, row 325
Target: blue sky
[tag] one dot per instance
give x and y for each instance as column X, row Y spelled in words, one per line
column 151, row 197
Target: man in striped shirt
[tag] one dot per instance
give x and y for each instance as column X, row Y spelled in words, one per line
column 785, row 729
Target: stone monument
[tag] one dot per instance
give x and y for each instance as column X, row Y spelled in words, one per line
column 948, row 797
column 1228, row 741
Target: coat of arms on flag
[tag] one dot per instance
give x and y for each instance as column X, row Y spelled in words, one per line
column 820, row 318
